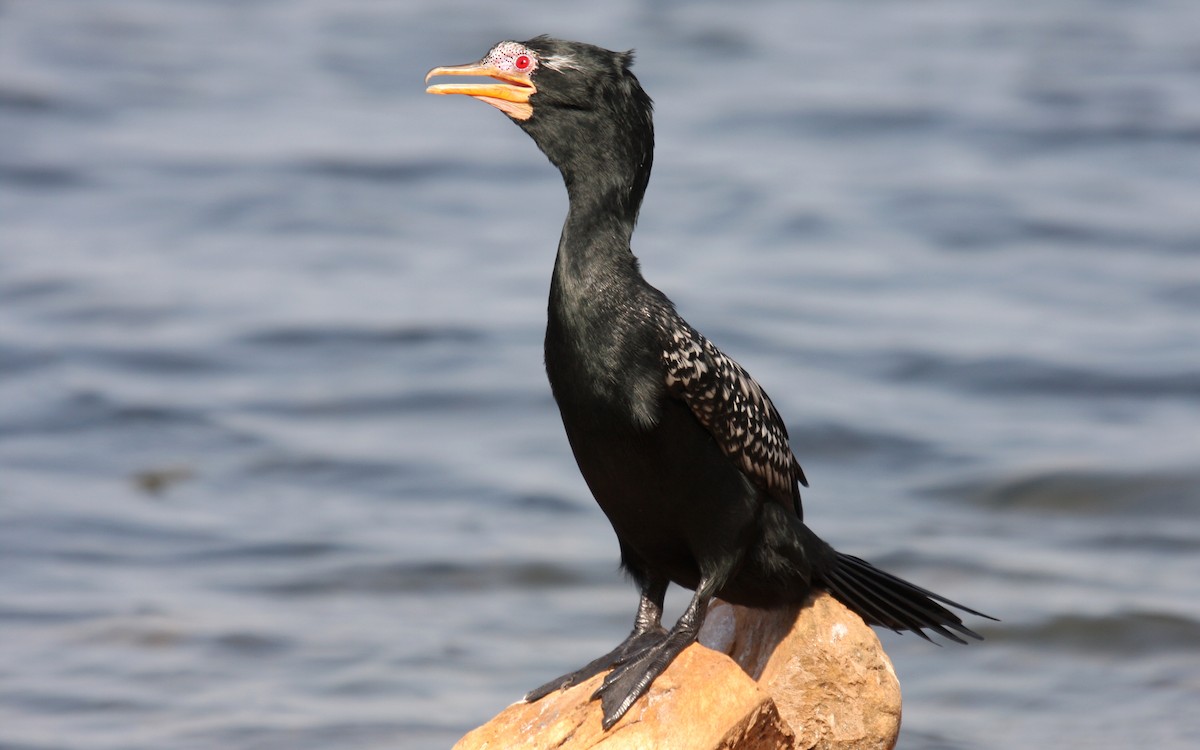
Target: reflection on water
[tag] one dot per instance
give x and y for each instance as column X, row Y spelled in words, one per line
column 278, row 463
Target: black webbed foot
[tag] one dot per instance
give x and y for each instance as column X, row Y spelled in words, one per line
column 631, row 679
column 647, row 631
column 629, row 648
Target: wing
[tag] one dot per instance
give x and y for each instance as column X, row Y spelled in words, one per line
column 735, row 409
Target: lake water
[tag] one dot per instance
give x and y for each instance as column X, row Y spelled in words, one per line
column 279, row 467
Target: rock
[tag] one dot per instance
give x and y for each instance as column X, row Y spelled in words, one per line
column 823, row 666
column 795, row 677
column 703, row 700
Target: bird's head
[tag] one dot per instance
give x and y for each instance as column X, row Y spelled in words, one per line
column 535, row 77
column 580, row 103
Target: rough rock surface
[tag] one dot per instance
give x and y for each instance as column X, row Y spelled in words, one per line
column 825, row 669
column 799, row 677
column 703, row 700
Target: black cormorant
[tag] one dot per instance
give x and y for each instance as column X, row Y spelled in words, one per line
column 683, row 450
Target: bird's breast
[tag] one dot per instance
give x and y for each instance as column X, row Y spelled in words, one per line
column 602, row 362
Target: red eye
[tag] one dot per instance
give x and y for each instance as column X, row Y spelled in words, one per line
column 522, row 62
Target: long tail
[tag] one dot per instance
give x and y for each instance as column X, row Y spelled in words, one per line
column 883, row 599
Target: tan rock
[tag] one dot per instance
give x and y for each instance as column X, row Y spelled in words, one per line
column 823, row 681
column 703, row 700
column 825, row 668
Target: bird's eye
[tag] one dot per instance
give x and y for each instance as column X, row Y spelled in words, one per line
column 522, row 62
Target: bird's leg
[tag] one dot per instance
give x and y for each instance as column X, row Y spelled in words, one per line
column 647, row 631
column 633, row 676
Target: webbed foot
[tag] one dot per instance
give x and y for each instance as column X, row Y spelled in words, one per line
column 631, row 678
column 631, row 647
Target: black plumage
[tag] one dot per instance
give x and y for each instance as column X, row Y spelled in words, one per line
column 682, row 449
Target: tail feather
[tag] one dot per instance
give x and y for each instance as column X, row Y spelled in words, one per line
column 914, row 601
column 883, row 599
column 876, row 609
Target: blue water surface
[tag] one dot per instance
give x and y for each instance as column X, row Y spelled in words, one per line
column 279, row 467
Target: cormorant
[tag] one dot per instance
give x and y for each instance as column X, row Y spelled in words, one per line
column 683, row 450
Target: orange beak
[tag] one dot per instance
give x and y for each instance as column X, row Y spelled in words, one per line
column 510, row 94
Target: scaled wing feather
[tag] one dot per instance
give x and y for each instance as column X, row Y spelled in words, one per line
column 735, row 409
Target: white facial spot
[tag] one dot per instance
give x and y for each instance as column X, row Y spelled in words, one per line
column 512, row 57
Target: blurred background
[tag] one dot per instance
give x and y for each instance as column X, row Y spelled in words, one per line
column 279, row 467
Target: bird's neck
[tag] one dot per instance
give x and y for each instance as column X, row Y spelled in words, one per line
column 605, row 185
column 595, row 286
column 594, row 259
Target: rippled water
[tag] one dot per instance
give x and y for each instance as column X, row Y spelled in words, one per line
column 278, row 464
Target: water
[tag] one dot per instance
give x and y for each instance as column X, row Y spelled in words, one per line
column 278, row 464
